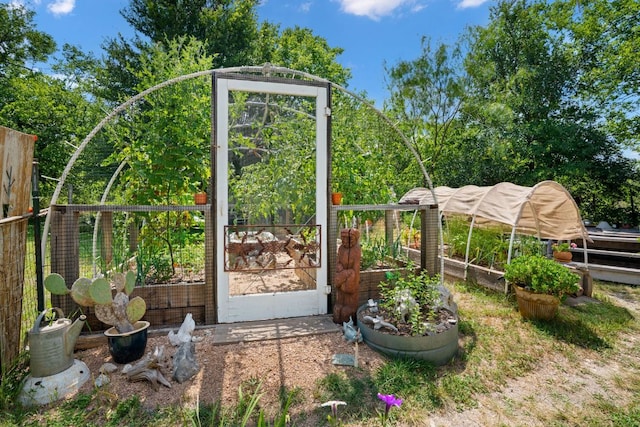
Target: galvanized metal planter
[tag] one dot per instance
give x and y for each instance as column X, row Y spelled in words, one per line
column 438, row 349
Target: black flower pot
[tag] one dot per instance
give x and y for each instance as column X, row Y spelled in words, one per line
column 126, row 348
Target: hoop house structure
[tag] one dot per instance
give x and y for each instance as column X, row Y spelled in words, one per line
column 268, row 145
column 546, row 210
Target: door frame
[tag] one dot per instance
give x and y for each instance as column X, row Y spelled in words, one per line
column 240, row 308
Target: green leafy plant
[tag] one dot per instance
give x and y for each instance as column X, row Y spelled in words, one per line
column 412, row 300
column 333, row 419
column 489, row 245
column 12, row 378
column 563, row 247
column 541, row 275
column 376, row 253
column 410, row 237
column 114, row 310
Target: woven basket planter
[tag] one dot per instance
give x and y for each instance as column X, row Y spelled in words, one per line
column 563, row 256
column 536, row 306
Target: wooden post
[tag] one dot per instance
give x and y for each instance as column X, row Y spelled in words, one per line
column 134, row 234
column 65, row 253
column 16, row 163
column 107, row 239
column 429, row 239
column 210, row 268
column 388, row 228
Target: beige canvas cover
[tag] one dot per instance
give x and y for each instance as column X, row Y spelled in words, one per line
column 545, row 210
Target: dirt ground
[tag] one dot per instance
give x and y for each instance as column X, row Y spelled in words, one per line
column 291, row 362
column 300, row 362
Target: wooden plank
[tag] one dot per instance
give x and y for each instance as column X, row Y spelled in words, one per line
column 65, row 254
column 210, row 269
column 179, row 295
column 16, row 162
column 12, row 256
column 610, row 273
column 197, row 295
column 612, row 253
column 106, row 219
column 131, row 208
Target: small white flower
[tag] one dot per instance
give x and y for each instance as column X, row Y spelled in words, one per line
column 334, row 406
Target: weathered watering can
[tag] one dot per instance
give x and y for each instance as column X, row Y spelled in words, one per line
column 51, row 346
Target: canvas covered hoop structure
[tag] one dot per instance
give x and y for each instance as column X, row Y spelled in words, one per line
column 545, row 210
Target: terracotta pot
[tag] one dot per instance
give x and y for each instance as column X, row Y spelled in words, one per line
column 200, row 198
column 562, row 256
column 336, row 198
column 536, row 306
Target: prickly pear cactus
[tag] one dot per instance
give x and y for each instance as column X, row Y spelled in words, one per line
column 114, row 310
column 136, row 309
column 100, row 291
column 55, row 284
column 80, row 292
column 118, row 311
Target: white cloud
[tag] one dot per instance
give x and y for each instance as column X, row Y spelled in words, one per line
column 465, row 4
column 16, row 4
column 374, row 9
column 61, row 7
column 306, row 7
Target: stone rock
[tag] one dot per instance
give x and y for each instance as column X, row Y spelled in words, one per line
column 108, row 368
column 185, row 365
column 185, row 331
column 102, row 380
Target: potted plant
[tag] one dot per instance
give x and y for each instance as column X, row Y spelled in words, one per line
column 127, row 336
column 416, row 317
column 561, row 251
column 200, row 196
column 540, row 283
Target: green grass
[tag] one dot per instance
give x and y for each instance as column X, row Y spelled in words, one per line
column 497, row 349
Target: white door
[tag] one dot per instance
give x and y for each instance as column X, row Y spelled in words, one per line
column 271, row 199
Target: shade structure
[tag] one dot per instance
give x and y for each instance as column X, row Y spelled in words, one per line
column 545, row 210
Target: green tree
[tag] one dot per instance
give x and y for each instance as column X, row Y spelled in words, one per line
column 227, row 29
column 605, row 37
column 165, row 142
column 167, row 147
column 20, row 42
column 524, row 105
column 299, row 49
column 54, row 109
column 426, row 97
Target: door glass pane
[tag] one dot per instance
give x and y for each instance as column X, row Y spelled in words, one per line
column 272, row 240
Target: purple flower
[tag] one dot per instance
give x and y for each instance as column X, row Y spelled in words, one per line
column 389, row 400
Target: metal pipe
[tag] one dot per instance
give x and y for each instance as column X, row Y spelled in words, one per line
column 35, row 196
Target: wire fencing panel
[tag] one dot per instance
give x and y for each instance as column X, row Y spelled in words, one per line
column 163, row 246
column 16, row 157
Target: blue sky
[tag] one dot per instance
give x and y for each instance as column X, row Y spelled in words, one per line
column 371, row 32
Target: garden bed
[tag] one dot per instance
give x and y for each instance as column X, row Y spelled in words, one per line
column 370, row 279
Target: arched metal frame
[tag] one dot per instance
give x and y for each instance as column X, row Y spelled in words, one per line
column 267, row 69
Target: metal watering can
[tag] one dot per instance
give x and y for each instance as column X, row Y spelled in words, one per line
column 51, row 346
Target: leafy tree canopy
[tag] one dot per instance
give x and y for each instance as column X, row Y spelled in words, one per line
column 20, row 42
